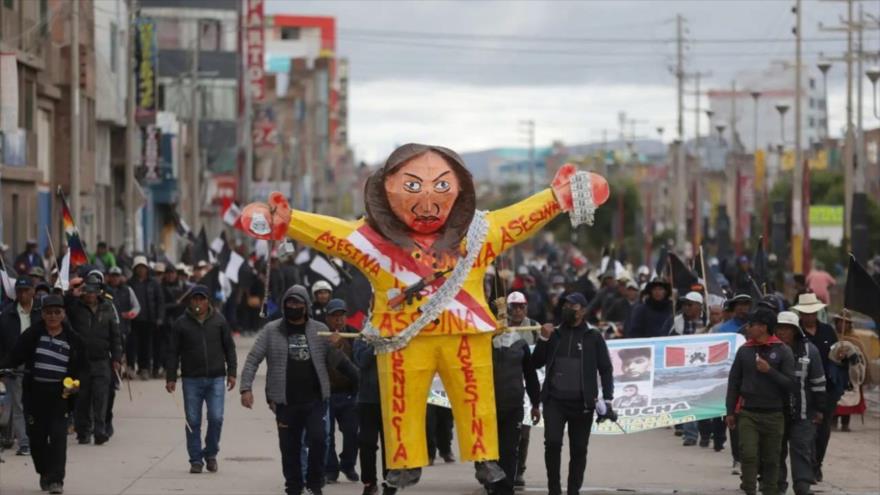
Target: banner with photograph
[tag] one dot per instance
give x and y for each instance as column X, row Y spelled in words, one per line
column 658, row 382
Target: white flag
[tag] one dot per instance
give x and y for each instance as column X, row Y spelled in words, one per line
column 64, row 273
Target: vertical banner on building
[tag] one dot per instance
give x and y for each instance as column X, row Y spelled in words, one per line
column 146, row 61
column 8, row 92
column 255, row 49
column 150, row 139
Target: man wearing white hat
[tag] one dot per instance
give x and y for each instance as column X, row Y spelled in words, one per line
column 823, row 336
column 150, row 317
column 517, row 307
column 806, row 406
column 689, row 321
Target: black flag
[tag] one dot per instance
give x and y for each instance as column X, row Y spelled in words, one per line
column 201, row 250
column 709, row 279
column 682, row 278
column 660, row 267
column 862, row 292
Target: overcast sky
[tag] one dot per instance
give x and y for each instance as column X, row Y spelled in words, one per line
column 464, row 74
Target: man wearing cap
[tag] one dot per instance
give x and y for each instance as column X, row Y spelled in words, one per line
column 15, row 318
column 173, row 289
column 50, row 351
column 322, row 291
column 739, row 305
column 297, row 385
column 649, row 317
column 145, row 325
column 29, row 258
column 514, row 376
column 342, row 409
column 94, row 319
column 619, row 310
column 688, row 322
column 806, row 406
column 760, row 381
column 127, row 307
column 517, row 307
column 823, row 336
column 201, row 345
column 573, row 355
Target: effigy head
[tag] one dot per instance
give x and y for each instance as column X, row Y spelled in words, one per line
column 424, row 190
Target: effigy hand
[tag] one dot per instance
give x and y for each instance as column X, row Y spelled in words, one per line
column 267, row 220
column 562, row 187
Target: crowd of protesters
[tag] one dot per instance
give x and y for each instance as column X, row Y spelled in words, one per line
column 132, row 317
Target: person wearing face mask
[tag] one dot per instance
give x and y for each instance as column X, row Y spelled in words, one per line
column 297, row 385
column 573, row 355
column 201, row 345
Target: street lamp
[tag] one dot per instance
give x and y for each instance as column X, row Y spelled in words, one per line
column 755, row 96
column 873, row 75
column 823, row 67
column 782, row 108
column 720, row 128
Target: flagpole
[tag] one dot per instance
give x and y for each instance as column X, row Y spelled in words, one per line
column 266, row 289
column 52, row 247
column 705, row 286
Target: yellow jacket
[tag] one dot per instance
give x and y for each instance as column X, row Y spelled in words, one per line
column 388, row 266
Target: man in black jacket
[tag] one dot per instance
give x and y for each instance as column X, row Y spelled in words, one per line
column 573, row 354
column 342, row 410
column 201, row 345
column 172, row 291
column 94, row 319
column 760, row 381
column 149, row 319
column 50, row 351
column 514, row 376
column 15, row 318
column 806, row 406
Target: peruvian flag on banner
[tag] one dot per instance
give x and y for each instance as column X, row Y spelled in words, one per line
column 696, row 354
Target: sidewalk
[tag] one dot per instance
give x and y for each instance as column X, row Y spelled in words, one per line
column 147, row 456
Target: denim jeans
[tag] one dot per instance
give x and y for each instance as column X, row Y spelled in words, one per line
column 691, row 431
column 13, row 393
column 342, row 413
column 209, row 391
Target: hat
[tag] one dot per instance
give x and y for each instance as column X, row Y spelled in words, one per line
column 159, row 267
column 202, row 264
column 763, row 316
column 631, row 284
column 92, row 288
column 181, row 267
column 694, row 297
column 808, row 303
column 843, row 315
column 95, row 275
column 31, row 242
column 733, row 301
column 37, row 271
column 139, row 261
column 788, row 318
column 516, row 297
column 115, row 271
column 24, row 283
column 321, row 285
column 657, row 282
column 576, row 298
column 52, row 300
column 199, row 290
column 43, row 286
column 336, row 305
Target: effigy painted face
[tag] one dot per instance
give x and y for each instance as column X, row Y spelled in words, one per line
column 422, row 192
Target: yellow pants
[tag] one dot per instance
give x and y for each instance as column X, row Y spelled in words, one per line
column 465, row 366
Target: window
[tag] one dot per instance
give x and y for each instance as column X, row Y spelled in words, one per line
column 9, row 4
column 209, row 32
column 114, row 43
column 290, row 33
column 44, row 17
column 812, row 83
column 812, row 103
column 811, row 122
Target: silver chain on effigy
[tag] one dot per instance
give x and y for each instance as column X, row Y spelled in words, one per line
column 584, row 208
column 438, row 302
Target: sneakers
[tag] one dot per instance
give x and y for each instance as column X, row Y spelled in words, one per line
column 704, row 443
column 519, row 481
column 689, row 442
column 488, row 472
column 44, row 483
column 23, row 451
column 314, row 491
column 448, row 457
column 83, row 440
column 211, row 464
column 101, row 439
column 56, row 488
column 370, row 489
column 388, row 489
column 351, row 475
column 736, row 469
column 195, row 468
column 402, row 478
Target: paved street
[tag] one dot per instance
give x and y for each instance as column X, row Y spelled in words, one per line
column 148, row 456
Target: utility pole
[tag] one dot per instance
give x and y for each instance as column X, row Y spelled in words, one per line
column 195, row 109
column 797, row 207
column 861, row 162
column 733, row 98
column 74, row 111
column 679, row 151
column 530, row 131
column 129, row 222
column 248, row 139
